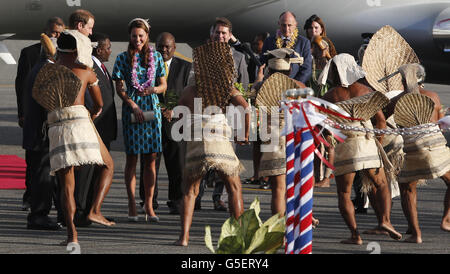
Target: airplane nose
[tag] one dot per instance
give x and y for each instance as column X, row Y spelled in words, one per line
column 441, row 30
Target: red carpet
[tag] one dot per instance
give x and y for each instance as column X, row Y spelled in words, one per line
column 12, row 172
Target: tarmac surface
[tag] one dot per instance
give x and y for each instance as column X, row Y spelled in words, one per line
column 150, row 238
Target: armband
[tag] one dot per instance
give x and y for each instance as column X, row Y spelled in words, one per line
column 94, row 84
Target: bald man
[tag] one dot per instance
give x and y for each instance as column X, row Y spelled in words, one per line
column 287, row 36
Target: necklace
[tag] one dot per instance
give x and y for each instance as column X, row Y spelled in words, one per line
column 150, row 71
column 290, row 45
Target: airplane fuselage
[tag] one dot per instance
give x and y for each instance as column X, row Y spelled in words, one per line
column 423, row 24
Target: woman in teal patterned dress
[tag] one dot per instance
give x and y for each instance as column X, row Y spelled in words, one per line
column 141, row 68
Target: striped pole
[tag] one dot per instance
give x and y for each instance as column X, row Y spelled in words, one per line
column 299, row 185
column 290, row 172
column 300, row 119
column 304, row 193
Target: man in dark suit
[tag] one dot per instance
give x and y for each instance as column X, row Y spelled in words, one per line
column 29, row 57
column 106, row 125
column 41, row 186
column 288, row 36
column 178, row 74
column 106, row 122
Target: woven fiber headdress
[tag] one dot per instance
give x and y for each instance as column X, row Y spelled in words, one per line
column 413, row 109
column 272, row 89
column 214, row 73
column 386, row 52
column 282, row 59
column 56, row 87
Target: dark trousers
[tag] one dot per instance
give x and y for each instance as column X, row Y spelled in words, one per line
column 218, row 183
column 85, row 179
column 26, row 195
column 211, row 177
column 357, row 184
column 172, row 152
column 43, row 187
column 84, row 183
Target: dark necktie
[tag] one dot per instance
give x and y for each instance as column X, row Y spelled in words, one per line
column 105, row 71
column 285, row 41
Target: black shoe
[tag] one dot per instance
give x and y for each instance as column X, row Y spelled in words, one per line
column 169, row 203
column 264, row 185
column 251, row 181
column 44, row 226
column 26, row 206
column 219, row 205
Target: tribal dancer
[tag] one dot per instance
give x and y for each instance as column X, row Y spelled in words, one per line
column 74, row 141
column 273, row 163
column 378, row 59
column 214, row 74
column 393, row 147
column 360, row 151
column 427, row 156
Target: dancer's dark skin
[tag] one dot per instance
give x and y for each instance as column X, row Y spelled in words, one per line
column 66, row 176
column 376, row 175
column 408, row 191
column 191, row 188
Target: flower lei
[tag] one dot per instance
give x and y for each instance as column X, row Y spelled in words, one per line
column 150, row 72
column 290, row 45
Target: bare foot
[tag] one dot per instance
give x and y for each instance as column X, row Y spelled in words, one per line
column 376, row 231
column 414, row 239
column 353, row 241
column 181, row 242
column 392, row 232
column 324, row 183
column 445, row 224
column 99, row 219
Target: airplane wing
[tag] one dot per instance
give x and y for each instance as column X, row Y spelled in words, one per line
column 4, row 52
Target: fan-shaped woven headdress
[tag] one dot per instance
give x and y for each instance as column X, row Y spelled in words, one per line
column 272, row 89
column 386, row 52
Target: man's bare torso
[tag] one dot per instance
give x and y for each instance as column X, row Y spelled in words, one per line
column 338, row 94
column 437, row 114
column 86, row 76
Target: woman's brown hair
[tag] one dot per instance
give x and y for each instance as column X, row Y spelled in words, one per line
column 145, row 50
column 315, row 18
